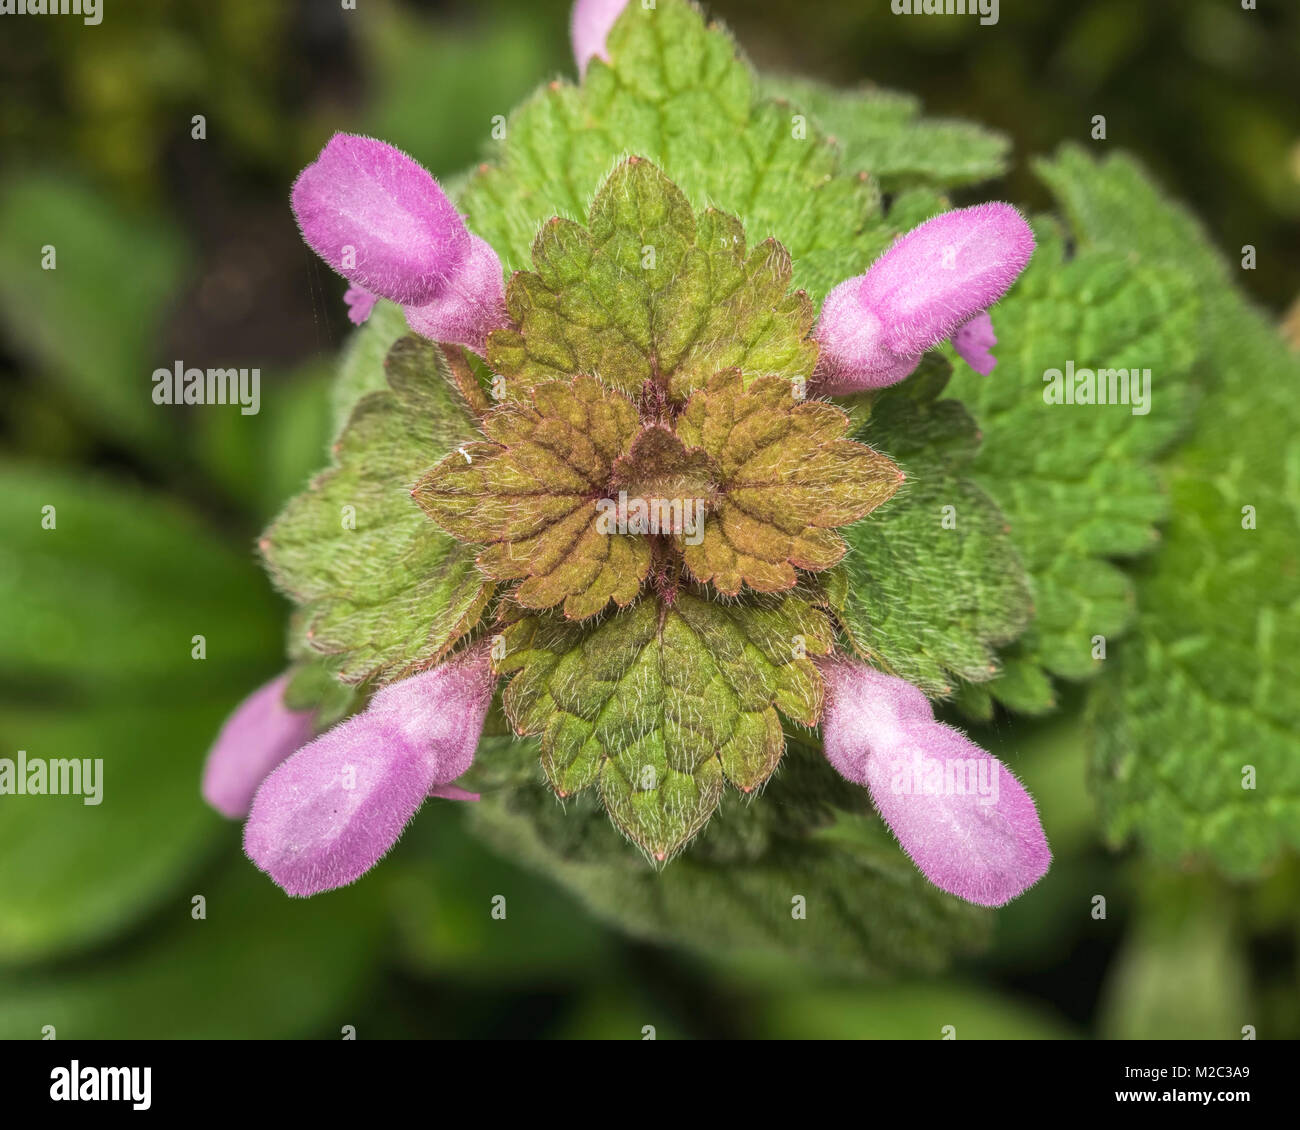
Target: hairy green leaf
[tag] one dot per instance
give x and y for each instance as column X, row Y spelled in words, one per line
column 1077, row 482
column 934, row 583
column 650, row 292
column 883, row 133
column 1200, row 718
column 385, row 591
column 678, row 93
column 662, row 702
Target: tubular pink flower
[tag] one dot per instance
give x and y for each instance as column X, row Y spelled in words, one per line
column 331, row 812
column 259, row 735
column 379, row 219
column 471, row 305
column 969, row 826
column 974, row 343
column 874, row 328
column 590, row 27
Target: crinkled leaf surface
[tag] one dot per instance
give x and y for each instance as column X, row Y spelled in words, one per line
column 361, row 367
column 659, row 307
column 531, row 490
column 1206, row 686
column 649, row 291
column 662, row 702
column 883, row 133
column 678, row 93
column 787, row 478
column 934, row 582
column 1077, row 482
column 386, row 591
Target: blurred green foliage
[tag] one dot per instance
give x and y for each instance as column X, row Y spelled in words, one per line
column 1204, row 93
column 157, row 509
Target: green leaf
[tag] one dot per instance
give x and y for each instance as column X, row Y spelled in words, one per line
column 1077, row 482
column 361, row 368
column 866, row 910
column 438, row 883
column 883, row 133
column 1207, row 686
column 105, row 587
column 386, row 592
column 935, row 584
column 90, row 323
column 264, row 458
column 81, row 872
column 99, row 655
column 678, row 93
column 258, row 966
column 1022, row 685
column 648, row 291
column 312, row 686
column 661, row 702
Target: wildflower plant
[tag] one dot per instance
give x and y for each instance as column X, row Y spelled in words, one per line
column 661, row 485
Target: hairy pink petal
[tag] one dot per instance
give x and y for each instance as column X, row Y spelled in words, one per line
column 331, row 812
column 873, row 329
column 360, row 303
column 441, row 711
column 861, row 699
column 974, row 343
column 405, row 237
column 471, row 304
column 967, row 823
column 259, row 735
column 945, row 271
column 590, row 27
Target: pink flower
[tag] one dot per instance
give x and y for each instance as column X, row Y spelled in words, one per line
column 333, row 809
column 359, row 303
column 590, row 27
column 974, row 342
column 458, row 313
column 959, row 813
column 379, row 219
column 874, row 328
column 259, row 735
